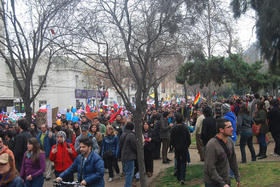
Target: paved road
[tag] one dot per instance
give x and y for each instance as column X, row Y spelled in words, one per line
column 158, row 166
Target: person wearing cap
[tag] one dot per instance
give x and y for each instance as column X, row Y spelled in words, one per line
column 62, row 154
column 88, row 165
column 229, row 115
column 5, row 149
column 9, row 175
column 85, row 133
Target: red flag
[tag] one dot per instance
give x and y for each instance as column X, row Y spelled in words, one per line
column 52, row 31
column 87, row 108
column 113, row 117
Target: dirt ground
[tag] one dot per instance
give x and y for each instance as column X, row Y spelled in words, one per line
column 159, row 167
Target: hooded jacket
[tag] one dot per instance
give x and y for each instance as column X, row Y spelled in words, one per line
column 62, row 158
column 232, row 118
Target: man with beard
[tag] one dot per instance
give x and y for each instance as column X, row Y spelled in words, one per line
column 220, row 157
column 88, row 165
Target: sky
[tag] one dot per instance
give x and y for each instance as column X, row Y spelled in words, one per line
column 245, row 27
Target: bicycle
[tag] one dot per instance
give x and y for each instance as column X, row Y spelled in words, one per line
column 64, row 184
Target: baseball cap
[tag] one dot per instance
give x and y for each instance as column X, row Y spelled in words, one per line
column 84, row 127
column 4, row 158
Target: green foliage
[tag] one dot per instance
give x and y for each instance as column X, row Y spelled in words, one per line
column 267, row 26
column 232, row 69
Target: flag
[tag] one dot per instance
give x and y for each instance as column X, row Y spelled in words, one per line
column 52, row 31
column 113, row 116
column 152, row 95
column 87, row 107
column 197, row 99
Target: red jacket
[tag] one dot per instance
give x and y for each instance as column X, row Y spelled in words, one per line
column 62, row 158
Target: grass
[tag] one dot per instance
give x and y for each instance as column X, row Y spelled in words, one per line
column 256, row 174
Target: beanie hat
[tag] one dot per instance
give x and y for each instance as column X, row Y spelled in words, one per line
column 225, row 108
column 62, row 133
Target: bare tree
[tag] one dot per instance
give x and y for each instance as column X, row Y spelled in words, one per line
column 29, row 29
column 136, row 33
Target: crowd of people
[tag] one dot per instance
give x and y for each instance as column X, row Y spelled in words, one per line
column 30, row 154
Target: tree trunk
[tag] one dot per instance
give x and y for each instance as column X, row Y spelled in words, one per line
column 27, row 109
column 156, row 96
column 140, row 147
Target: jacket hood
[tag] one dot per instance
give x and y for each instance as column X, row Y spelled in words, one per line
column 231, row 115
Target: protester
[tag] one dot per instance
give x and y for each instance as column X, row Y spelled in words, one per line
column 165, row 136
column 33, row 164
column 180, row 138
column 94, row 131
column 88, row 165
column 208, row 129
column 128, row 152
column 220, row 157
column 62, row 154
column 274, row 125
column 197, row 132
column 5, row 149
column 148, row 149
column 245, row 123
column 46, row 141
column 155, row 128
column 229, row 115
column 110, row 149
column 101, row 127
column 85, row 133
column 21, row 142
column 260, row 118
column 9, row 176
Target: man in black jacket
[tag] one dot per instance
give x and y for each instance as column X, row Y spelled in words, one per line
column 180, row 138
column 128, row 152
column 208, row 126
column 21, row 142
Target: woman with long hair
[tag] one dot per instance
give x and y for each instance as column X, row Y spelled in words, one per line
column 77, row 129
column 110, row 149
column 9, row 176
column 33, row 164
column 245, row 122
column 94, row 131
column 261, row 119
column 148, row 149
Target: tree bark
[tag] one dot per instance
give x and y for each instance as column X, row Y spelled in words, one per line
column 156, row 96
column 185, row 91
column 140, row 149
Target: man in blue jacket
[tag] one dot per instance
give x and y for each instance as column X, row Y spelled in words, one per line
column 229, row 115
column 88, row 165
column 46, row 139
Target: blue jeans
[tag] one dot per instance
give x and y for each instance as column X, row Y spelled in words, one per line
column 35, row 182
column 247, row 139
column 261, row 139
column 128, row 167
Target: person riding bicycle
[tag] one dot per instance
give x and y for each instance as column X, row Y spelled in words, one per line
column 88, row 165
column 62, row 154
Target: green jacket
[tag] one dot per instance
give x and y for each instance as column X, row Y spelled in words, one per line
column 261, row 118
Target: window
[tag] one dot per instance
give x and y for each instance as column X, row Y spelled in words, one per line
column 41, row 78
column 41, row 103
